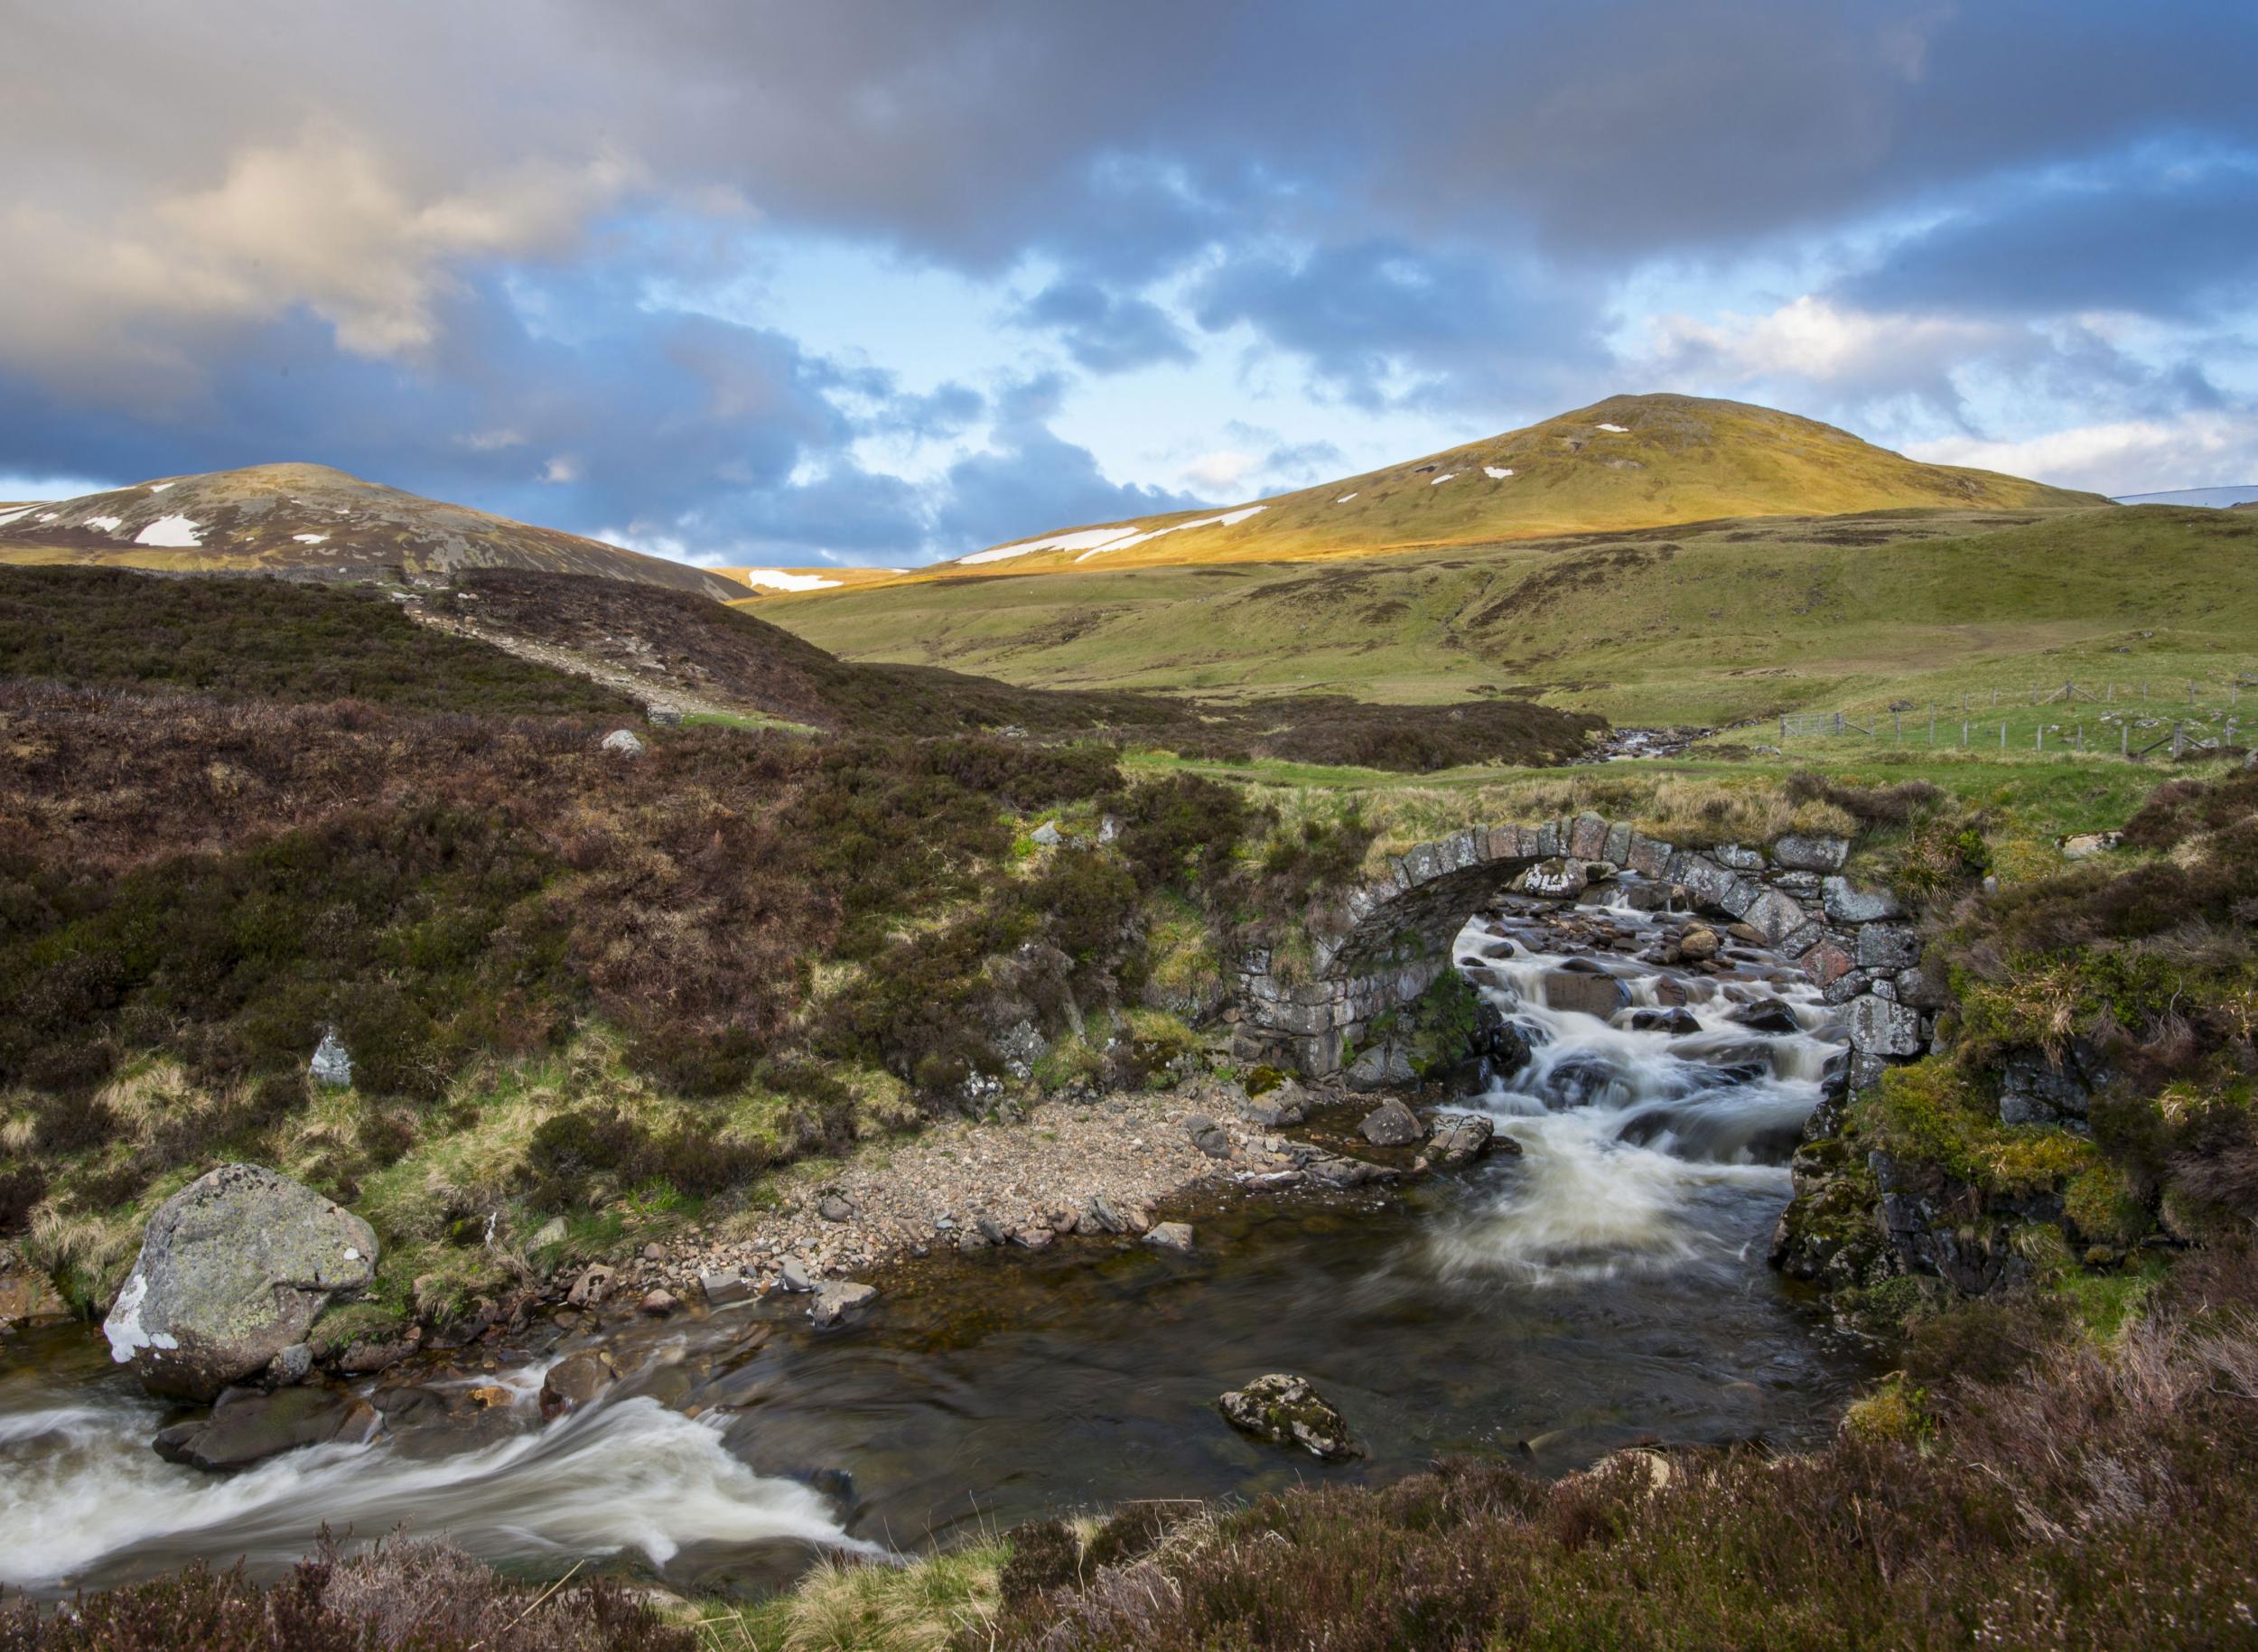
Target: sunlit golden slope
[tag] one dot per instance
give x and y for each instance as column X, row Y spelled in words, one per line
column 1627, row 463
column 311, row 520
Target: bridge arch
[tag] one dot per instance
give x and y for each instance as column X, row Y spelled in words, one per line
column 1377, row 946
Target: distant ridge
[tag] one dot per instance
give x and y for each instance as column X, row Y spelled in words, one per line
column 311, row 521
column 1630, row 462
column 2216, row 499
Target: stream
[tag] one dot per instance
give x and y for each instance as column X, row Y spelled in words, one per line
column 1605, row 1286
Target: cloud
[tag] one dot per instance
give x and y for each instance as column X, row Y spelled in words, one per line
column 1105, row 331
column 2193, row 450
column 1382, row 324
column 2161, row 236
column 1221, row 471
column 1815, row 341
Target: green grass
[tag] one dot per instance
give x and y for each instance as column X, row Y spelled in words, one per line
column 1708, row 623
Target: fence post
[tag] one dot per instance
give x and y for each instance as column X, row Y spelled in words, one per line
column 2144, row 691
column 1783, row 729
column 2038, row 738
column 1932, row 725
column 1995, row 699
column 1838, row 723
column 2003, row 737
column 2124, row 740
column 2179, row 740
column 2109, row 691
column 1897, row 728
column 1963, row 731
column 2081, row 737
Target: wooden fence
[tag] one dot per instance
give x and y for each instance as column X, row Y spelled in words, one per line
column 2131, row 718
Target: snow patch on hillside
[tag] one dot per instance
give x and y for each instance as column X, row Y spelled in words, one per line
column 1344, row 498
column 783, row 579
column 108, row 525
column 308, row 538
column 1495, row 474
column 159, row 487
column 175, row 533
column 20, row 511
column 1439, row 481
column 1620, row 430
column 1226, row 519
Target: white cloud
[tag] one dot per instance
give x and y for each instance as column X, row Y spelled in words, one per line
column 1819, row 341
column 2189, row 450
column 1221, row 471
column 325, row 221
column 564, row 468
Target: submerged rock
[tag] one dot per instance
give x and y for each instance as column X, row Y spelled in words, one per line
column 573, row 1381
column 233, row 1269
column 247, row 1427
column 837, row 1298
column 1285, row 1410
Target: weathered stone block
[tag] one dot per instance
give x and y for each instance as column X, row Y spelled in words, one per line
column 1588, row 837
column 1845, row 904
column 1775, row 915
column 1647, row 857
column 1880, row 1028
column 1618, row 844
column 1811, row 852
column 1739, row 857
column 1892, row 947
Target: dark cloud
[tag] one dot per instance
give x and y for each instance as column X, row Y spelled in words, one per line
column 222, row 241
column 1381, row 322
column 2178, row 242
column 1105, row 331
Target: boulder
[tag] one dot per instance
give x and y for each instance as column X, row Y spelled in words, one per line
column 589, row 1289
column 233, row 1269
column 794, row 1276
column 1207, row 1136
column 1764, row 1015
column 1590, row 995
column 249, row 1427
column 572, row 1382
column 624, row 743
column 659, row 1304
column 837, row 1299
column 1460, row 1138
column 1343, row 1173
column 2085, row 846
column 1882, row 1027
column 1678, row 1022
column 1171, row 1236
column 1285, row 1410
column 1048, row 834
column 1699, row 944
column 1285, row 1103
column 1390, row 1125
column 832, row 1209
column 724, row 1285
column 332, row 1063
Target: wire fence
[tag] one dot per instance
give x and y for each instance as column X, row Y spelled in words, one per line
column 2135, row 720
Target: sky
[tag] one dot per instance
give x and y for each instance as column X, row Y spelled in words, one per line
column 879, row 283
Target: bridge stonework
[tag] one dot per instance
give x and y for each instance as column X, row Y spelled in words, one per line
column 1377, row 947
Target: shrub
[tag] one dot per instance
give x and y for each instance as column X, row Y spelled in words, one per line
column 1044, row 1556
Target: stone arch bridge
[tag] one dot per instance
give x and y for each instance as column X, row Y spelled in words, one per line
column 1377, row 947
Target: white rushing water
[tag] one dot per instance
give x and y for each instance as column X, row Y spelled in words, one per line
column 1636, row 1143
column 79, row 1486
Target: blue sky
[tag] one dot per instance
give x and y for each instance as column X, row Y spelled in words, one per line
column 874, row 283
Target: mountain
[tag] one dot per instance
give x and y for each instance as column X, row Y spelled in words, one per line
column 2215, row 498
column 309, row 520
column 1630, row 462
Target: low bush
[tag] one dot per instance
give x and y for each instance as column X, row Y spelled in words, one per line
column 412, row 1596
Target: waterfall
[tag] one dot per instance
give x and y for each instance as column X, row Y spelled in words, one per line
column 1639, row 1126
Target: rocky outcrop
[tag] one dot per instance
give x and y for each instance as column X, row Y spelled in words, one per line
column 233, row 1270
column 1285, row 1410
column 1460, row 1138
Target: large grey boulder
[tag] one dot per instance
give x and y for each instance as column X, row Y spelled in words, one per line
column 234, row 1268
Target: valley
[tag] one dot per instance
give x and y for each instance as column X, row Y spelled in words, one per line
column 837, row 1098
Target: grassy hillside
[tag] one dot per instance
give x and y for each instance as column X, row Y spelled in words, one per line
column 1706, row 622
column 312, row 521
column 1630, row 462
column 674, row 646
